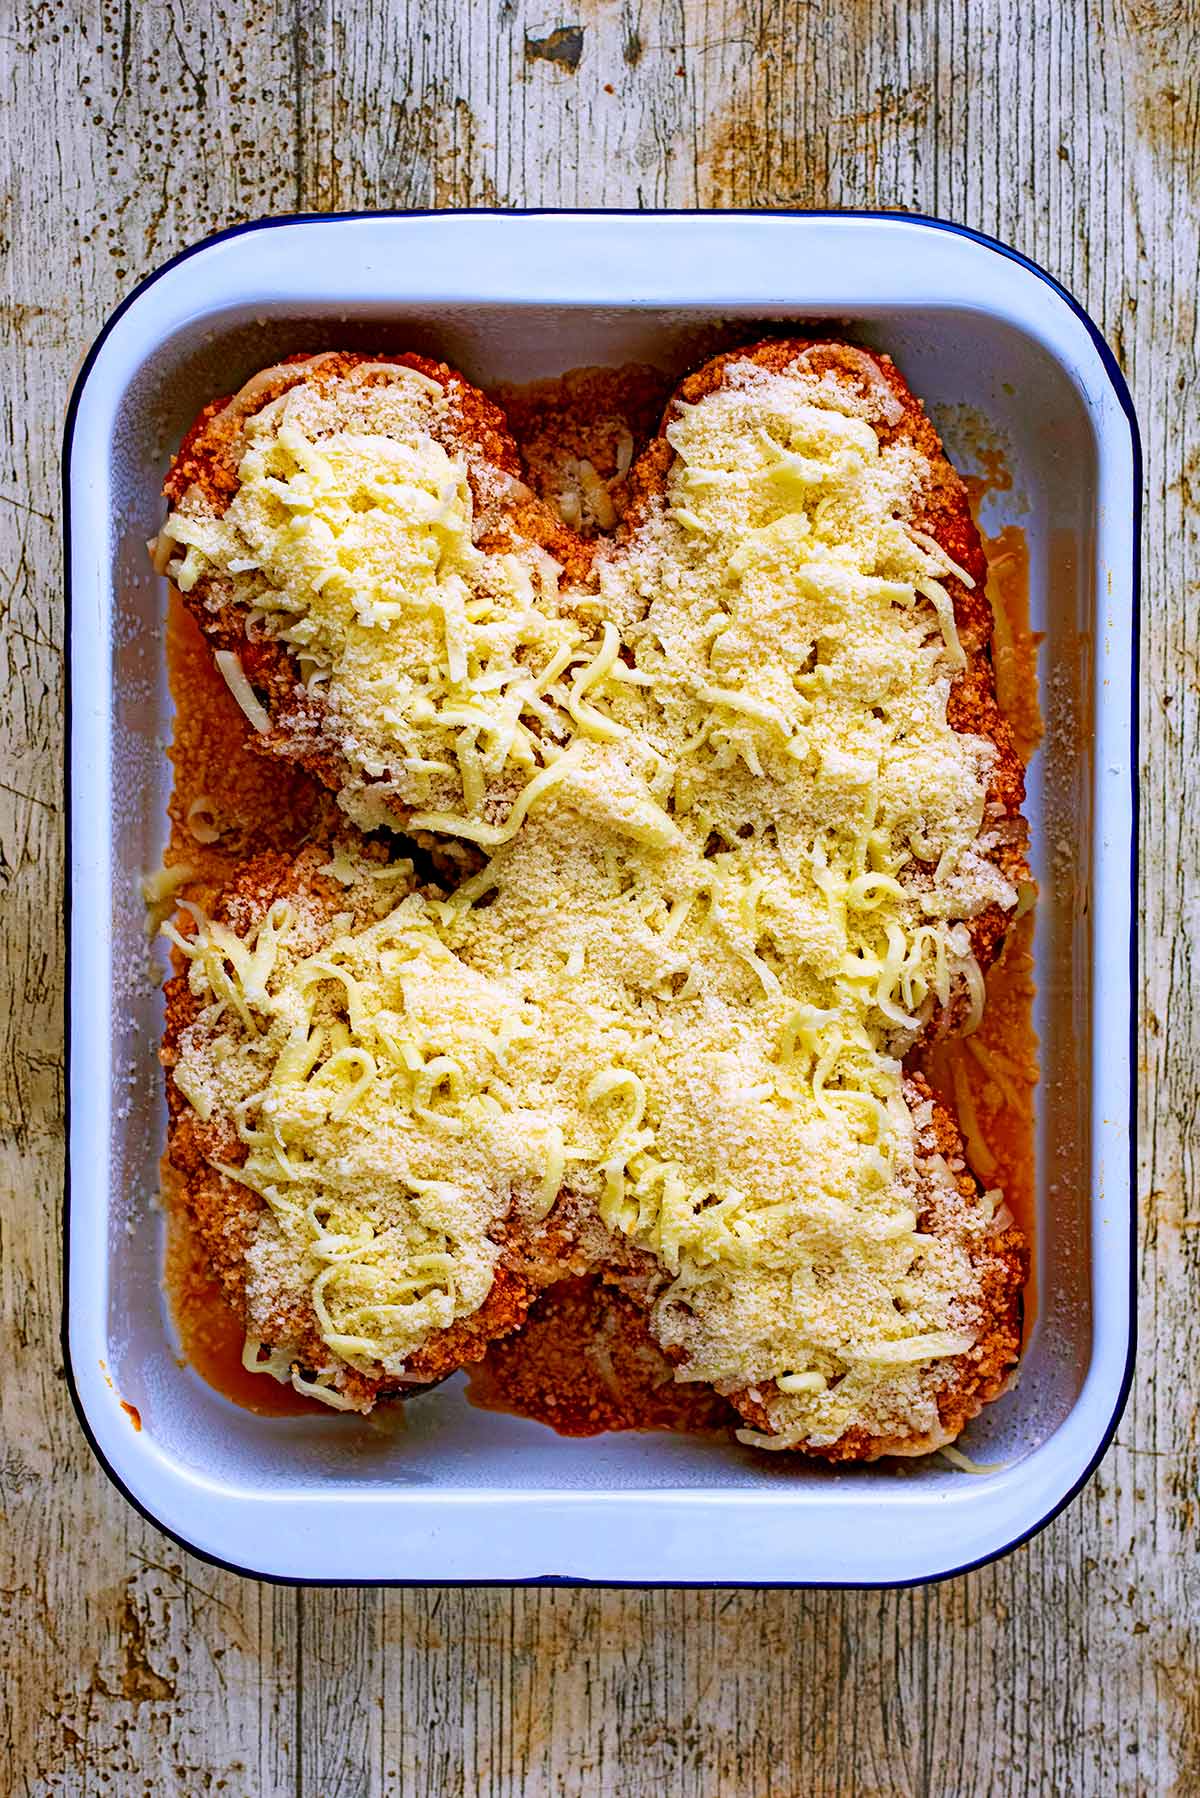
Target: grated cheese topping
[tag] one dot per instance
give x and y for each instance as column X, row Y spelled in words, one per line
column 721, row 909
column 445, row 671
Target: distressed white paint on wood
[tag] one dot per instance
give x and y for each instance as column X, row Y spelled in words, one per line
column 126, row 131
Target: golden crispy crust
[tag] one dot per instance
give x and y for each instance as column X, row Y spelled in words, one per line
column 1001, row 1262
column 585, row 1361
column 590, row 413
column 208, row 459
column 941, row 508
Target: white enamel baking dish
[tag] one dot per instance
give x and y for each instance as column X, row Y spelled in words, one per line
column 466, row 1496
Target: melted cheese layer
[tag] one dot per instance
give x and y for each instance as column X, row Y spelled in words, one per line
column 725, row 914
column 442, row 672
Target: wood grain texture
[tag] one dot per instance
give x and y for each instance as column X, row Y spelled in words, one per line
column 1070, row 128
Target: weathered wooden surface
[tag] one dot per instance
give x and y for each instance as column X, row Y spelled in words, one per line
column 1070, row 129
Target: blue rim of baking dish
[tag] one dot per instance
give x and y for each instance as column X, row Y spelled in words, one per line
column 1120, row 388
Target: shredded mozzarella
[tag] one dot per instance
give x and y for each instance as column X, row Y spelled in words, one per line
column 731, row 844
